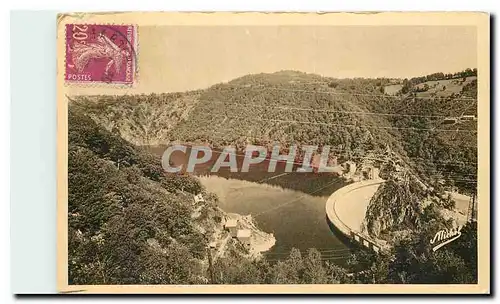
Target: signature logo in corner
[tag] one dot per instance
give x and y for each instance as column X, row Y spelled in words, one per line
column 445, row 236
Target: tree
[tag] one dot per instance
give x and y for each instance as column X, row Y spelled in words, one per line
column 168, row 265
column 235, row 269
column 337, row 274
column 466, row 247
column 290, row 270
column 314, row 272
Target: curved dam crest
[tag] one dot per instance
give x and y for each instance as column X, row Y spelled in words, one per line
column 346, row 209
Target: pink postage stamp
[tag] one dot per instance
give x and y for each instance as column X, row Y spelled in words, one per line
column 101, row 53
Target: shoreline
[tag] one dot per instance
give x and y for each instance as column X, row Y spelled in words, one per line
column 260, row 241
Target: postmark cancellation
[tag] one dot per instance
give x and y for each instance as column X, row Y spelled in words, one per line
column 101, row 54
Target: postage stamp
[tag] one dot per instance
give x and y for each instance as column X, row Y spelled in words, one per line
column 101, row 53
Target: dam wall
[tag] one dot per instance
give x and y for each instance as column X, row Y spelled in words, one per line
column 346, row 209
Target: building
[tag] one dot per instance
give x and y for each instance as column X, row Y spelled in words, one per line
column 199, row 199
column 371, row 172
column 231, row 225
column 468, row 117
column 350, row 167
column 243, row 236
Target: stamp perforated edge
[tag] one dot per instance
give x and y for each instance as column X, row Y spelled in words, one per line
column 102, row 84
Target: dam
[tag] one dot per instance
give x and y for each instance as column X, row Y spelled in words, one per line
column 346, row 209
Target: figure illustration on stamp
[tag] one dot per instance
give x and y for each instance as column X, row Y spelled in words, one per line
column 95, row 57
column 104, row 48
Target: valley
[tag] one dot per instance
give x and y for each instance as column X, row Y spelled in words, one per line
column 420, row 144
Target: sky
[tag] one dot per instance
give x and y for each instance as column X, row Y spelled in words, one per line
column 180, row 58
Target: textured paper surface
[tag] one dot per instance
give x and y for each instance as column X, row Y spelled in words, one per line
column 162, row 36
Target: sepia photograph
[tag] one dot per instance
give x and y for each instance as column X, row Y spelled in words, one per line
column 288, row 153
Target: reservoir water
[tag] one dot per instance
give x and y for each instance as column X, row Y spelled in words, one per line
column 289, row 205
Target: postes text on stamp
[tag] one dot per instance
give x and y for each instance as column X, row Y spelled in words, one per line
column 100, row 54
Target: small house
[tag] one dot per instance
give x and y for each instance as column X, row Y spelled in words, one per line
column 350, row 167
column 231, row 225
column 468, row 117
column 375, row 173
column 199, row 199
column 371, row 172
column 243, row 236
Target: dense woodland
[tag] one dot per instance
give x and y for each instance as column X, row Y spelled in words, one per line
column 131, row 223
column 411, row 261
column 128, row 221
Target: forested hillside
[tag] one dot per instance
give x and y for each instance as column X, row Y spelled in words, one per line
column 428, row 134
column 288, row 108
column 139, row 119
column 439, row 159
column 130, row 223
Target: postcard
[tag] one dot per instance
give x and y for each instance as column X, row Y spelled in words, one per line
column 288, row 153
